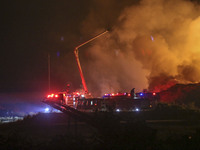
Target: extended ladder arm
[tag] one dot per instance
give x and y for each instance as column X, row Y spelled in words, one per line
column 80, row 70
column 78, row 61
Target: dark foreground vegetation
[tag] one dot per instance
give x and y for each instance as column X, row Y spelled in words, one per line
column 167, row 127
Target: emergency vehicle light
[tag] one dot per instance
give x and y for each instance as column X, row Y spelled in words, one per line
column 51, row 96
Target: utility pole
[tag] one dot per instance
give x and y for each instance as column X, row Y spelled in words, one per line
column 49, row 72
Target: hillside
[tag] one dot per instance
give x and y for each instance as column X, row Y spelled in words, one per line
column 182, row 94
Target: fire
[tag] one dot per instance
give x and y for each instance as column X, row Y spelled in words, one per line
column 153, row 39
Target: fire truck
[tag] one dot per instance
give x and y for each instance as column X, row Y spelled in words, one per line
column 83, row 101
column 117, row 102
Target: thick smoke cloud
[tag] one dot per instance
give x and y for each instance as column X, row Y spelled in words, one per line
column 154, row 44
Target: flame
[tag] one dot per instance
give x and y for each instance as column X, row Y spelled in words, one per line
column 157, row 45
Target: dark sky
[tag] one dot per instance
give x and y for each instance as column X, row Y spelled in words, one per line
column 29, row 31
column 32, row 29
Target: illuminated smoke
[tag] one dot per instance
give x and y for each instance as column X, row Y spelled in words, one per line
column 154, row 44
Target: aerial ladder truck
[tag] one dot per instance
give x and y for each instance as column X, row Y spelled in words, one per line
column 76, row 51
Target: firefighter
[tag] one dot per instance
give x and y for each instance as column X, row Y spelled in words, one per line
column 133, row 93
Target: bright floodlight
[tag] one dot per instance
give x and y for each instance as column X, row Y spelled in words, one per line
column 117, row 110
column 46, row 110
column 137, row 109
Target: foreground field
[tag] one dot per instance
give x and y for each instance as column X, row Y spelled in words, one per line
column 157, row 129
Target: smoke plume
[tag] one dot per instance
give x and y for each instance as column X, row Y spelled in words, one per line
column 153, row 44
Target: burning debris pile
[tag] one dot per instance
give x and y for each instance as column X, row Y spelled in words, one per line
column 182, row 94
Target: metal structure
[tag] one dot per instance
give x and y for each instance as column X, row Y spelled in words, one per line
column 76, row 51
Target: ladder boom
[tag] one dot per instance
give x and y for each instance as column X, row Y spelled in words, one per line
column 78, row 61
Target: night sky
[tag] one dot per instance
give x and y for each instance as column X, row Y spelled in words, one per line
column 32, row 29
column 29, row 31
